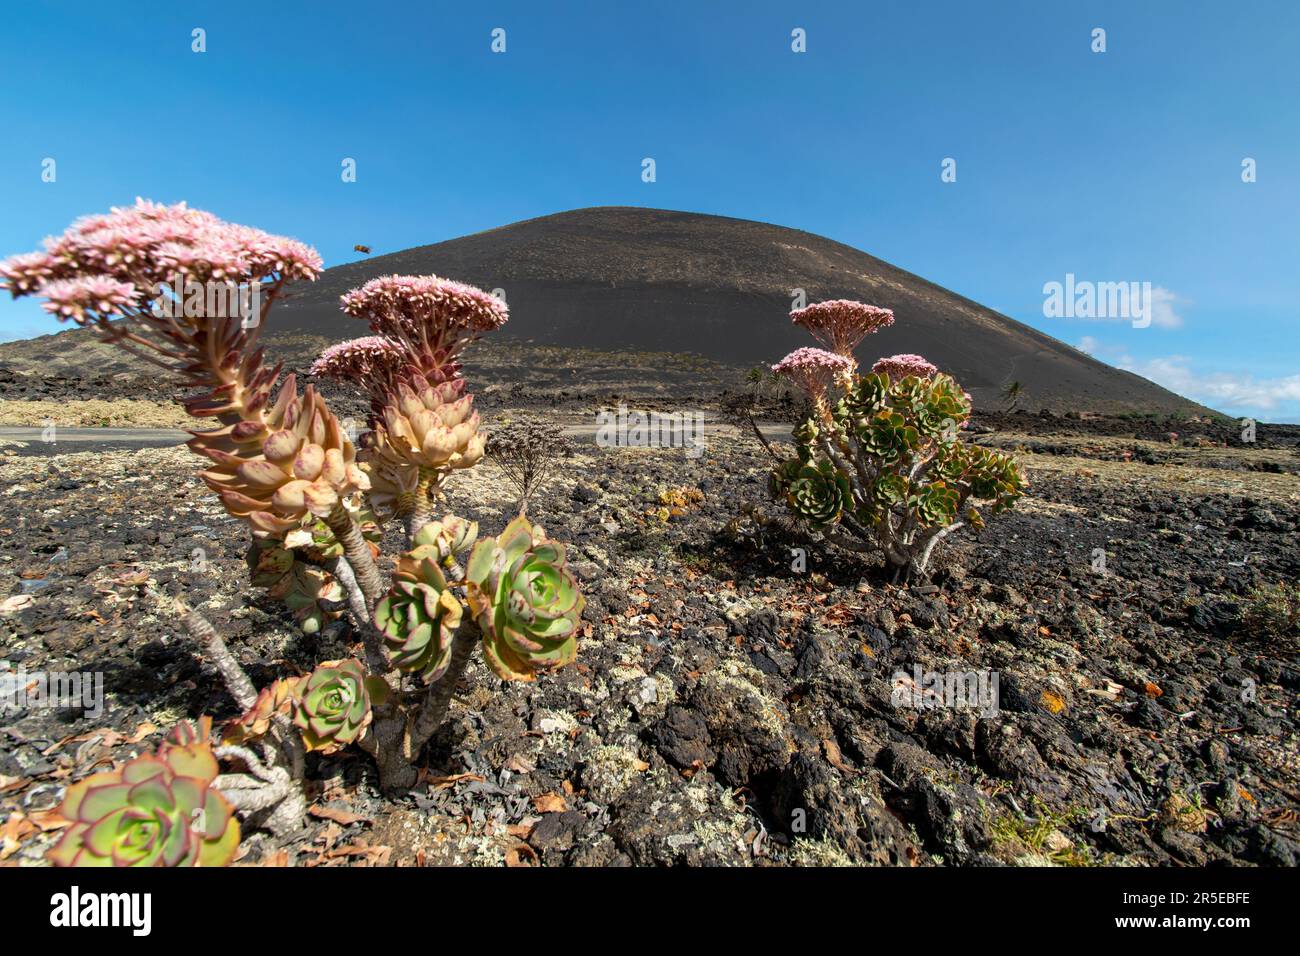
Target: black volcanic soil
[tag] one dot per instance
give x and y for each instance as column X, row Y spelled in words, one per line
column 627, row 280
column 726, row 709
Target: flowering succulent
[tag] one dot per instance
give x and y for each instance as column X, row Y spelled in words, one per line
column 281, row 461
column 878, row 465
column 430, row 318
column 429, row 426
column 155, row 810
column 332, row 705
column 294, row 464
column 420, row 614
column 525, row 600
column 841, row 324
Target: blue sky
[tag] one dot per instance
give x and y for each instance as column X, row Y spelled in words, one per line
column 1117, row 166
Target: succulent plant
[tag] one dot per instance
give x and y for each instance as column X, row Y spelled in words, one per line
column 332, row 705
column 525, row 600
column 280, row 467
column 155, row 810
column 277, row 698
column 819, row 494
column 420, row 613
column 301, row 586
column 429, row 426
column 880, row 455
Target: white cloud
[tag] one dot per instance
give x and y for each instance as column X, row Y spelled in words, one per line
column 1221, row 390
column 1163, row 313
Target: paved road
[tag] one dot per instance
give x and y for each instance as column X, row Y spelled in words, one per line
column 34, row 441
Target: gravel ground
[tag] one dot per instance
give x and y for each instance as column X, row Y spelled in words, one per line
column 726, row 709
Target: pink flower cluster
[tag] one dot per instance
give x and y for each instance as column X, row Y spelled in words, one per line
column 813, row 369
column 359, row 360
column 430, row 319
column 841, row 324
column 901, row 366
column 143, row 246
column 72, row 298
column 397, row 304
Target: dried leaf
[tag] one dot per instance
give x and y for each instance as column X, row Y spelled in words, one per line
column 550, row 803
column 514, row 855
column 344, row 817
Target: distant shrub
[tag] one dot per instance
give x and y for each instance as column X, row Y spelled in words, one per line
column 1273, row 611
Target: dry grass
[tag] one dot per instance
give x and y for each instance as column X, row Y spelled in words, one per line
column 93, row 413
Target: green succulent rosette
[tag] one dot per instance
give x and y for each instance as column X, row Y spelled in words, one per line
column 804, row 436
column 995, row 477
column 936, row 504
column 886, row 491
column 155, row 810
column 783, row 475
column 888, row 437
column 420, row 614
column 867, row 396
column 332, row 705
column 819, row 494
column 937, row 406
column 525, row 600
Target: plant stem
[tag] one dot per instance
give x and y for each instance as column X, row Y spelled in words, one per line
column 421, row 507
column 358, row 554
column 438, row 701
column 237, row 682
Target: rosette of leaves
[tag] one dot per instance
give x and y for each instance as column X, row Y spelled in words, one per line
column 420, row 613
column 447, row 538
column 994, row 477
column 804, row 436
column 935, row 505
column 888, row 437
column 783, row 475
column 156, row 810
column 937, row 404
column 332, row 705
column 277, row 698
column 887, row 490
column 866, row 396
column 301, row 586
column 525, row 600
column 819, row 494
